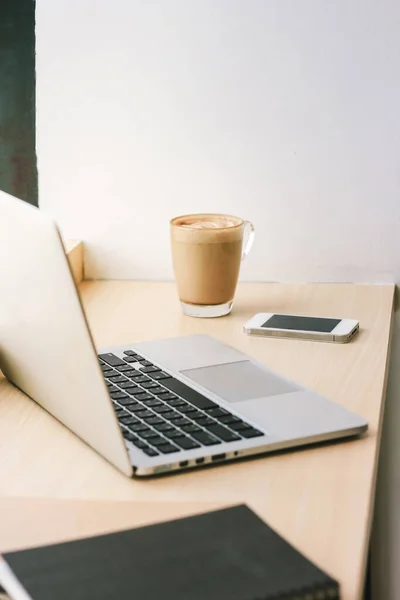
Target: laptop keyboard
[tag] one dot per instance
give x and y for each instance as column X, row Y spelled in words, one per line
column 161, row 415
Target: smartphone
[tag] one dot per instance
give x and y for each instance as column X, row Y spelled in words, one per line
column 302, row 327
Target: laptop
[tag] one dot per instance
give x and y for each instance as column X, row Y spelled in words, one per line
column 151, row 407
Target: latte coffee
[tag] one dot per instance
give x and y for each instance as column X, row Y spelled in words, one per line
column 206, row 253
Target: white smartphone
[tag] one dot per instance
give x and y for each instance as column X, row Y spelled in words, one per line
column 303, row 327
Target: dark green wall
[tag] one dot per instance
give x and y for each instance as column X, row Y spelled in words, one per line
column 18, row 170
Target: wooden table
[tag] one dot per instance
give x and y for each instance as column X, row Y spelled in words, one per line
column 320, row 499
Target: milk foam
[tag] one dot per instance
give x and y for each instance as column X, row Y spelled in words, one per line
column 207, row 223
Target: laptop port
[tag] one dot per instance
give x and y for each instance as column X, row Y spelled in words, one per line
column 199, row 461
column 218, row 457
column 184, row 463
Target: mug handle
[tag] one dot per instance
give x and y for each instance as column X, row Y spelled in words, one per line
column 249, row 233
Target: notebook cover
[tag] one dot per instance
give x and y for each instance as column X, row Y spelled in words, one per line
column 228, row 554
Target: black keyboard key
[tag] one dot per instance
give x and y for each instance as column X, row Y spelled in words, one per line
column 149, row 384
column 139, row 444
column 110, row 373
column 205, row 421
column 250, row 432
column 116, row 409
column 163, row 427
column 151, row 369
column 158, row 390
column 111, row 359
column 190, row 428
column 131, row 373
column 223, row 433
column 229, row 419
column 217, row 412
column 150, row 451
column 239, row 426
column 149, row 420
column 129, row 386
column 124, row 368
column 128, row 435
column 139, row 428
column 120, row 412
column 168, row 396
column 176, row 403
column 155, row 439
column 171, row 415
column 113, row 388
column 133, row 389
column 118, row 395
column 128, row 401
column 178, row 421
column 147, row 435
column 161, row 409
column 144, row 414
column 133, row 355
column 142, row 396
column 152, row 403
column 128, row 420
column 147, row 363
column 129, row 353
column 153, row 421
column 195, row 415
column 136, row 408
column 168, row 448
column 105, row 367
column 118, row 379
column 140, row 379
column 130, row 359
column 205, row 438
column 173, row 433
column 188, row 393
column 186, row 443
column 160, row 375
column 187, row 409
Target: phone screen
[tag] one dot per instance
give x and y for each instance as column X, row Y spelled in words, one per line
column 301, row 323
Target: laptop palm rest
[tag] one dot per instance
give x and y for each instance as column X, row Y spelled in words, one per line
column 239, row 381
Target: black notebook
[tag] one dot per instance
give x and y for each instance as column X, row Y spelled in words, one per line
column 228, row 554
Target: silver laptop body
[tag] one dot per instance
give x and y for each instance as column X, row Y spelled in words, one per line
column 148, row 408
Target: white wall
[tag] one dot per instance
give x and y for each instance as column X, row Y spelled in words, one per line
column 286, row 112
column 282, row 111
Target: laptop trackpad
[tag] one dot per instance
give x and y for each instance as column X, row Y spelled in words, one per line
column 238, row 381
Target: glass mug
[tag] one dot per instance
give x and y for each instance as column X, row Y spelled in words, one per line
column 207, row 250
